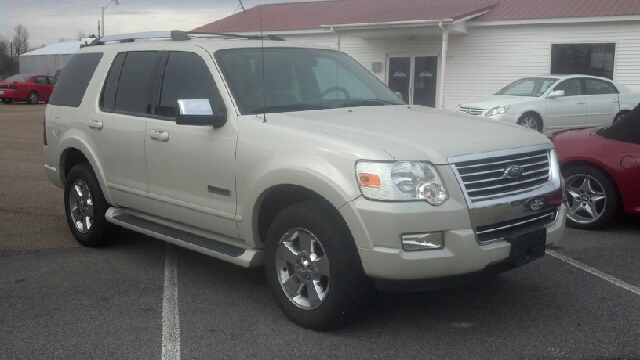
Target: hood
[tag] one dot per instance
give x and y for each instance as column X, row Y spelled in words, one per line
column 496, row 100
column 413, row 132
column 574, row 133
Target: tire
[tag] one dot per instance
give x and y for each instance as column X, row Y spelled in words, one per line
column 85, row 207
column 531, row 121
column 7, row 101
column 591, row 197
column 32, row 97
column 619, row 116
column 331, row 265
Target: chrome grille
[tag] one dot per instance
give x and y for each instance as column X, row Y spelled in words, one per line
column 472, row 111
column 487, row 179
column 500, row 230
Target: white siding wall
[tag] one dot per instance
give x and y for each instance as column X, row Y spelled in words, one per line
column 488, row 58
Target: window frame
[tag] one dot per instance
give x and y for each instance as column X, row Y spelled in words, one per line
column 576, row 44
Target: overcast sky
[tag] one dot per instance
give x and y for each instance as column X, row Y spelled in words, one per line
column 49, row 21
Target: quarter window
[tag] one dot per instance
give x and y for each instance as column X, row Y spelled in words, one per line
column 135, row 85
column 587, row 59
column 186, row 76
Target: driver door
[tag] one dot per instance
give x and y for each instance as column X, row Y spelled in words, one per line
column 569, row 110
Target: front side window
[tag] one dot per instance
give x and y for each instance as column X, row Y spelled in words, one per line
column 294, row 79
column 528, row 87
column 186, row 76
column 135, row 85
column 571, row 87
column 585, row 59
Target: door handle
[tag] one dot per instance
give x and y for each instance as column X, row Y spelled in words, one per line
column 581, row 103
column 159, row 135
column 95, row 124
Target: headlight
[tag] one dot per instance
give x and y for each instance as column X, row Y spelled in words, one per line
column 498, row 110
column 400, row 181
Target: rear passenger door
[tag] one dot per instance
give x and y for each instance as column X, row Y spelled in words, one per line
column 602, row 102
column 191, row 168
column 118, row 123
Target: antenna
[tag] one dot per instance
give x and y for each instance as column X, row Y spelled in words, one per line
column 264, row 87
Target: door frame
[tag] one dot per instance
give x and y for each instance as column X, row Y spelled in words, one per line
column 412, row 57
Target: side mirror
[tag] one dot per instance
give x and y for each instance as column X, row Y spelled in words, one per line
column 199, row 112
column 399, row 94
column 555, row 94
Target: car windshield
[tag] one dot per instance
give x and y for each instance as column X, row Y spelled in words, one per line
column 626, row 129
column 528, row 87
column 18, row 77
column 295, row 79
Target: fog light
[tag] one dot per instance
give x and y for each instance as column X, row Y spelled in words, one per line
column 426, row 241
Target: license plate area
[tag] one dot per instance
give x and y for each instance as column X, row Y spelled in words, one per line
column 527, row 246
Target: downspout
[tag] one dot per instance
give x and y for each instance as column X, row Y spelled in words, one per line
column 443, row 65
column 337, row 38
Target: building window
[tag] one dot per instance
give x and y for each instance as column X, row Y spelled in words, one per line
column 586, row 59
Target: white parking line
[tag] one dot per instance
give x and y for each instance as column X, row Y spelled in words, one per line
column 595, row 272
column 170, row 318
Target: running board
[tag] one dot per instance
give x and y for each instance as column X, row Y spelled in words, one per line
column 180, row 235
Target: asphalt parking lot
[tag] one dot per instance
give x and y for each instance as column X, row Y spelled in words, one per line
column 61, row 301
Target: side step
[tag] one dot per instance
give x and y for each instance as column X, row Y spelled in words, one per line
column 145, row 224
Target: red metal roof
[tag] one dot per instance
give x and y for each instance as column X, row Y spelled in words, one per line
column 312, row 15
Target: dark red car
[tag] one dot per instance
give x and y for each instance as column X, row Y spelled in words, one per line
column 601, row 168
column 27, row 87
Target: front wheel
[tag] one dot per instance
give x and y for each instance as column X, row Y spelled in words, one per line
column 85, row 207
column 531, row 121
column 592, row 198
column 313, row 267
column 32, row 98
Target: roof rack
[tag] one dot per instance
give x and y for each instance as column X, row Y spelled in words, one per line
column 176, row 35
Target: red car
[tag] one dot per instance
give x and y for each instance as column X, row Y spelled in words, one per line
column 601, row 168
column 27, row 87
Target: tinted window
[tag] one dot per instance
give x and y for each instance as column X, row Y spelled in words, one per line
column 186, row 76
column 135, row 86
column 571, row 87
column 73, row 83
column 587, row 59
column 108, row 95
column 598, row 87
column 52, row 80
column 40, row 80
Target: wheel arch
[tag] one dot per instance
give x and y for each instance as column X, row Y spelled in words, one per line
column 576, row 163
column 533, row 112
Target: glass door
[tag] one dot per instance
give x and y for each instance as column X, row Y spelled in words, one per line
column 415, row 77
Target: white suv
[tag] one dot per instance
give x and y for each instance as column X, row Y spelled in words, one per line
column 268, row 153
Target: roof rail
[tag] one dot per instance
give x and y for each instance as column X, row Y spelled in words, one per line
column 175, row 35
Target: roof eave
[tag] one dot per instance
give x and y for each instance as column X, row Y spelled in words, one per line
column 386, row 25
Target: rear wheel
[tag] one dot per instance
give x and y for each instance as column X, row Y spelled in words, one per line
column 32, row 97
column 313, row 267
column 531, row 121
column 592, row 198
column 86, row 206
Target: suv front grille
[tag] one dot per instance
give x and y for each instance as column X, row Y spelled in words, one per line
column 488, row 178
column 500, row 230
column 472, row 111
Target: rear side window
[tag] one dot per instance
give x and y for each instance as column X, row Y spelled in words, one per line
column 598, row 87
column 108, row 95
column 135, row 84
column 186, row 76
column 72, row 84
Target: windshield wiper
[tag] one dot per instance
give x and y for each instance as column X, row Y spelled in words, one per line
column 289, row 107
column 367, row 102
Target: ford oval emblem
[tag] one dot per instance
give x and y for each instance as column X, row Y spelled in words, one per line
column 537, row 203
column 513, row 172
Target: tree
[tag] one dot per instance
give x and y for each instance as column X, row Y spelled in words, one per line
column 20, row 40
column 80, row 35
column 8, row 65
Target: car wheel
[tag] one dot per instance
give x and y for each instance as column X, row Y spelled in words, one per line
column 591, row 196
column 619, row 116
column 32, row 97
column 7, row 101
column 85, row 207
column 313, row 267
column 531, row 121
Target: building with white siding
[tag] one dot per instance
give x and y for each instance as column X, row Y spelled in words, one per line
column 486, row 44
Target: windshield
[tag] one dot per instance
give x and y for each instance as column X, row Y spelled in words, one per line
column 18, row 77
column 298, row 79
column 528, row 87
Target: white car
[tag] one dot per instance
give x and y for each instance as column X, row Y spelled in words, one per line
column 557, row 101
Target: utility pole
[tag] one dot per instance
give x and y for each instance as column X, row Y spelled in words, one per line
column 99, row 28
column 102, row 17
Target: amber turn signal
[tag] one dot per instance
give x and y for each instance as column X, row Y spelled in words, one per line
column 369, row 180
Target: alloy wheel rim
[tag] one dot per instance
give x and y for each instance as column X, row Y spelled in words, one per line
column 81, row 206
column 33, row 97
column 586, row 199
column 529, row 123
column 303, row 269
